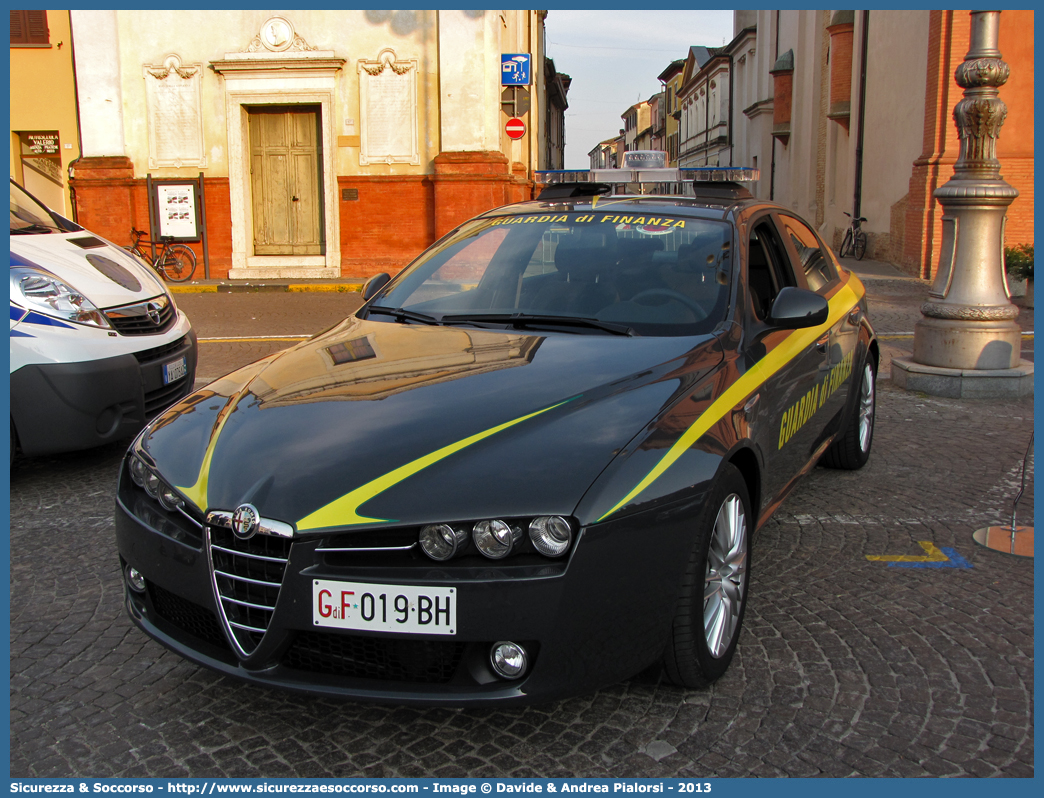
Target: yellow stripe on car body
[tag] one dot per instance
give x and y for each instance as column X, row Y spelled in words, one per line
column 793, row 345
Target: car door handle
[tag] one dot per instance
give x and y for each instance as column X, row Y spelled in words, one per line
column 823, row 343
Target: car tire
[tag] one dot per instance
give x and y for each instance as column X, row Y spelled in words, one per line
column 852, row 449
column 14, row 441
column 713, row 600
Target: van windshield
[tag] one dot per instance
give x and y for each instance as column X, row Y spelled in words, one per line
column 28, row 215
column 645, row 274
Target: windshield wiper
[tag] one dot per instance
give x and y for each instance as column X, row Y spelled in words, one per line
column 32, row 229
column 402, row 315
column 539, row 320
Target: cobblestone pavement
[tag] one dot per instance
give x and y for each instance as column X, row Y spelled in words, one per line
column 846, row 666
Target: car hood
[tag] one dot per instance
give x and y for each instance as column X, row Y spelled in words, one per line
column 378, row 423
column 104, row 273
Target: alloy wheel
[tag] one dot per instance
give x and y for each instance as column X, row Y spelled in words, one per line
column 866, row 408
column 725, row 582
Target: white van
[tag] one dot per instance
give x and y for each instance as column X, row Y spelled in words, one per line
column 98, row 346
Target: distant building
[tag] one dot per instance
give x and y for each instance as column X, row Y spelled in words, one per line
column 636, row 122
column 853, row 111
column 603, row 156
column 671, row 78
column 557, row 86
column 705, row 108
column 657, row 122
column 45, row 136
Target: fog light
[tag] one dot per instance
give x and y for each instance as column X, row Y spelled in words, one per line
column 509, row 660
column 551, row 535
column 152, row 485
column 135, row 580
column 168, row 499
column 441, row 541
column 495, row 539
column 138, row 471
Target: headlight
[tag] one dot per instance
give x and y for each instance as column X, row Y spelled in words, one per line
column 46, row 294
column 441, row 541
column 138, row 471
column 495, row 539
column 169, row 499
column 551, row 536
column 145, row 477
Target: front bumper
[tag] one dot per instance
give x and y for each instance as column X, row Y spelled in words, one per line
column 61, row 407
column 593, row 620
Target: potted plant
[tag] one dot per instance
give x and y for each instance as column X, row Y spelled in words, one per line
column 1018, row 263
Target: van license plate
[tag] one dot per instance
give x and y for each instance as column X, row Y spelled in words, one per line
column 172, row 372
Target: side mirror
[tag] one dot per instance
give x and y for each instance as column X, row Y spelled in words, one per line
column 796, row 308
column 375, row 284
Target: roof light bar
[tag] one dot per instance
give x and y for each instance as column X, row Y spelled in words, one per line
column 706, row 174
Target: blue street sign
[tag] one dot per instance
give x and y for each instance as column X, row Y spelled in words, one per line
column 514, row 69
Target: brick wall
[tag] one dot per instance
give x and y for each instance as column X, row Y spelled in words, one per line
column 391, row 220
column 948, row 41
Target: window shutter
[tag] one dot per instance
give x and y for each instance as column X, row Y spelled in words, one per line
column 29, row 27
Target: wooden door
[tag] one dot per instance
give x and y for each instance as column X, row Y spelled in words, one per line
column 286, row 181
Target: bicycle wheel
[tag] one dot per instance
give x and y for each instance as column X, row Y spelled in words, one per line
column 859, row 245
column 177, row 263
column 846, row 244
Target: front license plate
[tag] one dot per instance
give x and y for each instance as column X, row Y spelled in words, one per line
column 172, row 372
column 384, row 608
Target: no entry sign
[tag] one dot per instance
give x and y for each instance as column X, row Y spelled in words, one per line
column 515, row 128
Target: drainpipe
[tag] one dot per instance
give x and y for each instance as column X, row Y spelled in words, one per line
column 857, row 201
column 772, row 173
column 732, row 75
column 79, row 135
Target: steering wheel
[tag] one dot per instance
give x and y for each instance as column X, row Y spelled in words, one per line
column 677, row 296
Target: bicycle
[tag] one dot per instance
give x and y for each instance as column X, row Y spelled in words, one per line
column 854, row 242
column 174, row 262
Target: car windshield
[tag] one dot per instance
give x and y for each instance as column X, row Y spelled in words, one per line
column 583, row 272
column 28, row 215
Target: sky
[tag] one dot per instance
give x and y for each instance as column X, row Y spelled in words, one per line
column 613, row 57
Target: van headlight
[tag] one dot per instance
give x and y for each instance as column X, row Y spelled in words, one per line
column 46, row 294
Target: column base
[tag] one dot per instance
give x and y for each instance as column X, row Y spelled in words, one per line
column 1009, row 383
column 967, row 344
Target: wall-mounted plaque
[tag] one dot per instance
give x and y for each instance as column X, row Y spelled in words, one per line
column 172, row 98
column 388, row 99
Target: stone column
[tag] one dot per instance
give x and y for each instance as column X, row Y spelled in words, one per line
column 967, row 343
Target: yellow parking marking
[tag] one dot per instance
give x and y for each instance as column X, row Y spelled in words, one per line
column 934, row 555
column 259, row 339
column 192, row 289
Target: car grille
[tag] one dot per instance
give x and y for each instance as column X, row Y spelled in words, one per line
column 248, row 575
column 142, row 318
column 187, row 615
column 418, row 661
column 159, row 352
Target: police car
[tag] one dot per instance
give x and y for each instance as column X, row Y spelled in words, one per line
column 531, row 464
column 98, row 346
